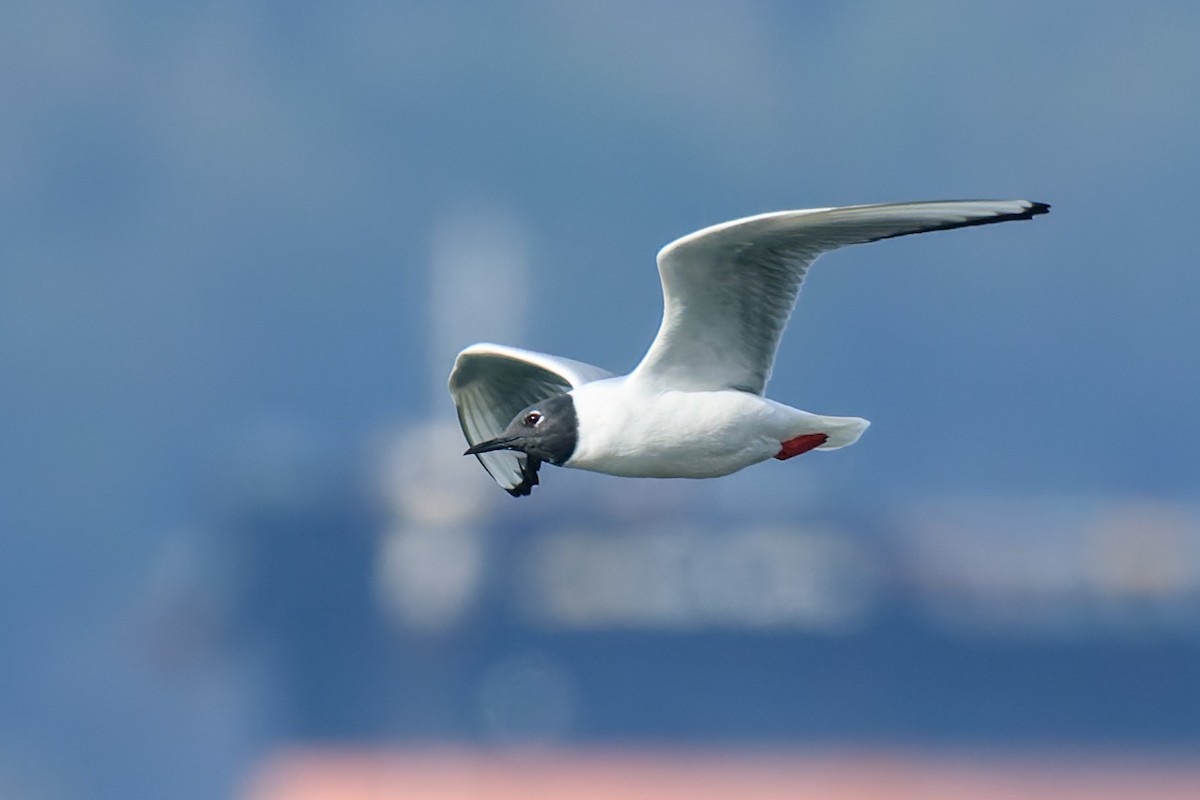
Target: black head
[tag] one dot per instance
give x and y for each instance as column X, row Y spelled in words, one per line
column 547, row 431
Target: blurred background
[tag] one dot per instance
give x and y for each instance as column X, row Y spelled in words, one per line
column 241, row 243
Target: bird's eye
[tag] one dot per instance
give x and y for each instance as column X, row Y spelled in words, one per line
column 533, row 418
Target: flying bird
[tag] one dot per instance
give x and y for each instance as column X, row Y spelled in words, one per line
column 694, row 407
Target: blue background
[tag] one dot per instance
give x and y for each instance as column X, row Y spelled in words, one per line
column 221, row 227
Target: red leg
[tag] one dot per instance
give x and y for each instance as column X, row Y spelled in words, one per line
column 801, row 444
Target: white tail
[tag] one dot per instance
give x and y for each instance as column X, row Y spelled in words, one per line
column 841, row 430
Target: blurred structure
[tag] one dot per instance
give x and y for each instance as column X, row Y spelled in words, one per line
column 1056, row 569
column 432, row 558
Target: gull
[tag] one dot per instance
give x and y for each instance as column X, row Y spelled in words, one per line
column 694, row 406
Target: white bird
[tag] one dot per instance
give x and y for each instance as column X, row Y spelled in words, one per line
column 694, row 406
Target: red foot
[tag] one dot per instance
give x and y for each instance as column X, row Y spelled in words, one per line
column 801, row 444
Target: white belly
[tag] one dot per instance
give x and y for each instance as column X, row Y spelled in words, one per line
column 676, row 434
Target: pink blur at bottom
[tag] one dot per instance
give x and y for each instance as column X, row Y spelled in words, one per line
column 567, row 774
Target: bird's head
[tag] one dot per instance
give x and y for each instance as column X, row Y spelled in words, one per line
column 547, row 431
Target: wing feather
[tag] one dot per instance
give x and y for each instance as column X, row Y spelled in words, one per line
column 729, row 290
column 490, row 383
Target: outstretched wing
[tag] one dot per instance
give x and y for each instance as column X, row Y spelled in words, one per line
column 728, row 290
column 490, row 383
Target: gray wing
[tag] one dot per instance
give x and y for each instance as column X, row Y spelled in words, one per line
column 728, row 290
column 490, row 383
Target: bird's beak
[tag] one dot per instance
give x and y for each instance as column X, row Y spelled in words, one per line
column 501, row 443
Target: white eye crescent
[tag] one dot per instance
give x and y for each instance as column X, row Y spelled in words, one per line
column 532, row 418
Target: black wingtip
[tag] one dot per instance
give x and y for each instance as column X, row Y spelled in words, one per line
column 1032, row 211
